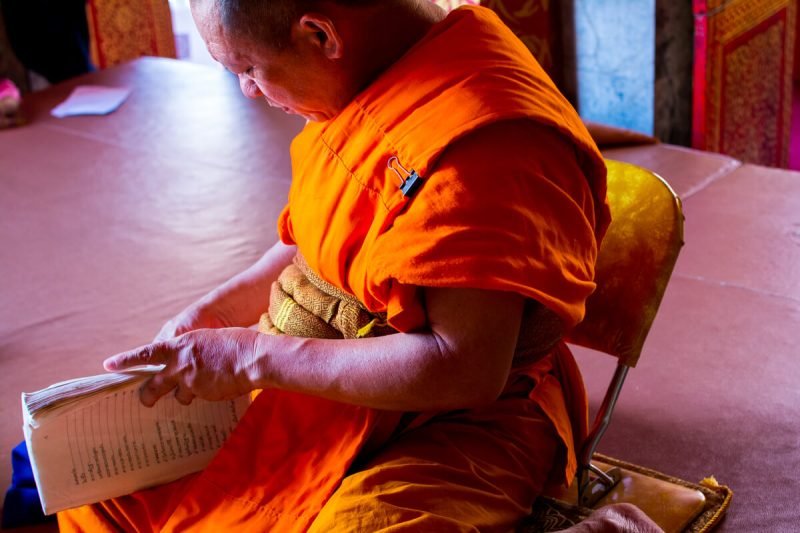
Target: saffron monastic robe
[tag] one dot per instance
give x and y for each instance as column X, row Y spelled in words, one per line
column 512, row 199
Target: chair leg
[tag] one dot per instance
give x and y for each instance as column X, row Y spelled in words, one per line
column 591, row 489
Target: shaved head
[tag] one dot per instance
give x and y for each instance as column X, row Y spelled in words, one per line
column 310, row 57
column 268, row 21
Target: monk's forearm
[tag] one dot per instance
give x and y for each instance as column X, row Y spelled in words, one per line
column 242, row 299
column 462, row 360
column 403, row 372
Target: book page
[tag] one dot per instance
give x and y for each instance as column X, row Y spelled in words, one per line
column 116, row 445
column 57, row 395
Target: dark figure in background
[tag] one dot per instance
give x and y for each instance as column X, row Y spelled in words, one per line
column 50, row 37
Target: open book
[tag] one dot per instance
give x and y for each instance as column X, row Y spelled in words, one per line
column 91, row 439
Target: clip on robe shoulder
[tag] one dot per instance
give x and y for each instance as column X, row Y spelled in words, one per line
column 410, row 181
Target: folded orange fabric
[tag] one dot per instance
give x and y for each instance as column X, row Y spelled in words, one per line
column 522, row 215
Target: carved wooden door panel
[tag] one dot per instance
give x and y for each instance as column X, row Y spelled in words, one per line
column 744, row 53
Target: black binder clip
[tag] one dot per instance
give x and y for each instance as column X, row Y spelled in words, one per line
column 410, row 181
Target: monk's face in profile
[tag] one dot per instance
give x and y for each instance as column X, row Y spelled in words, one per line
column 302, row 78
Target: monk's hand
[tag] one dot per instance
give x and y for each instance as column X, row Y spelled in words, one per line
column 213, row 364
column 200, row 315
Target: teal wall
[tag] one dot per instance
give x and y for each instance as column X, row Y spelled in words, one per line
column 615, row 55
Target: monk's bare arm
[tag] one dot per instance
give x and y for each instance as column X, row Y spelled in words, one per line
column 237, row 302
column 244, row 296
column 463, row 361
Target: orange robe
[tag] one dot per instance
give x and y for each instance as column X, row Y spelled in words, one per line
column 513, row 198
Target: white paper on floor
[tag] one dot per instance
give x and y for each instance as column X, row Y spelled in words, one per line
column 91, row 100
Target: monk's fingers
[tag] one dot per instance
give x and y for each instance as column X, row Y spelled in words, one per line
column 183, row 394
column 156, row 387
column 150, row 354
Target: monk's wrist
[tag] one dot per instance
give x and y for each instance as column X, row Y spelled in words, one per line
column 261, row 371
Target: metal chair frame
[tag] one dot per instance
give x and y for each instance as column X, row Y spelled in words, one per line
column 591, row 489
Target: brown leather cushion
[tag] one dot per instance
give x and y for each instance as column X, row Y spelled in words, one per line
column 670, row 505
column 634, row 263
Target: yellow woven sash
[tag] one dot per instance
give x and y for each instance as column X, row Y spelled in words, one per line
column 302, row 304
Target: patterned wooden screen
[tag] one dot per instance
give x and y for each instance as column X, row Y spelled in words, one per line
column 535, row 22
column 744, row 51
column 121, row 30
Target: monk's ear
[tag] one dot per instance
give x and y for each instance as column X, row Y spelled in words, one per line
column 320, row 31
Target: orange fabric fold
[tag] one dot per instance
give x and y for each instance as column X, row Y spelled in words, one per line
column 513, row 197
column 469, row 72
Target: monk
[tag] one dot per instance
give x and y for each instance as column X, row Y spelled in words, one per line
column 439, row 239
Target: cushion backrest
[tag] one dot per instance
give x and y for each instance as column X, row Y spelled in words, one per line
column 634, row 263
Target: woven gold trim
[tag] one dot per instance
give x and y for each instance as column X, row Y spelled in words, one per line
column 302, row 304
column 717, row 515
column 323, row 285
